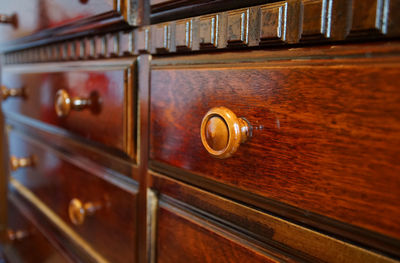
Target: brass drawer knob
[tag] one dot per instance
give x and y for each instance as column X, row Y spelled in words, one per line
column 9, row 19
column 77, row 211
column 17, row 163
column 222, row 132
column 16, row 235
column 6, row 93
column 64, row 103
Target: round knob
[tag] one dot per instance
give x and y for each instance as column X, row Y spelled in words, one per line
column 64, row 103
column 17, row 163
column 77, row 211
column 6, row 93
column 9, row 19
column 15, row 235
column 222, row 132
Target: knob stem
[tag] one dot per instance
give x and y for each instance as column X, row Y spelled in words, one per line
column 6, row 93
column 17, row 163
column 14, row 235
column 9, row 19
column 78, row 211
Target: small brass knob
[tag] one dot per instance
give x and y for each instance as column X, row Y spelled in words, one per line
column 17, row 163
column 6, row 93
column 77, row 211
column 16, row 235
column 64, row 103
column 9, row 19
column 222, row 132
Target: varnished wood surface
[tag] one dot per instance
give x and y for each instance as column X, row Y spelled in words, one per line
column 143, row 239
column 98, row 158
column 325, row 130
column 38, row 20
column 110, row 120
column 36, row 15
column 236, row 25
column 56, row 182
column 34, row 247
column 288, row 237
column 181, row 238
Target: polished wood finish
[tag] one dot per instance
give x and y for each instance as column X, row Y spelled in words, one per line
column 317, row 144
column 56, row 231
column 115, row 155
column 96, row 157
column 182, row 200
column 109, row 87
column 289, row 22
column 56, row 182
column 26, row 243
column 37, row 20
column 203, row 242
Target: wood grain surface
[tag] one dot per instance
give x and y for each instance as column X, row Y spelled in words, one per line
column 32, row 248
column 184, row 239
column 109, row 121
column 56, row 182
column 326, row 130
column 286, row 237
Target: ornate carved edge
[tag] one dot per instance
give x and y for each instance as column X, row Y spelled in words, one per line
column 279, row 23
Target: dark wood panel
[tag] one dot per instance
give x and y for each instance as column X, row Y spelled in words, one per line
column 111, row 118
column 326, row 146
column 144, row 244
column 73, row 247
column 95, row 157
column 33, row 16
column 184, row 239
column 374, row 17
column 56, row 182
column 25, row 243
column 286, row 236
column 37, row 20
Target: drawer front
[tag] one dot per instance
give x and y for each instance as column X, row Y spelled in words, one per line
column 25, row 243
column 325, row 133
column 196, row 226
column 108, row 222
column 184, row 239
column 107, row 120
column 33, row 16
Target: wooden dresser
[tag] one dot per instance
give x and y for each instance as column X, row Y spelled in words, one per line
column 185, row 131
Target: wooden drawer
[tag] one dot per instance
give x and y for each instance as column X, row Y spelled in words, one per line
column 34, row 16
column 325, row 125
column 25, row 243
column 109, row 120
column 197, row 226
column 109, row 221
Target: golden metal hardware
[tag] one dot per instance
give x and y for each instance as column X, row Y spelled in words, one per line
column 17, row 163
column 16, row 235
column 6, row 93
column 222, row 132
column 9, row 19
column 77, row 211
column 64, row 103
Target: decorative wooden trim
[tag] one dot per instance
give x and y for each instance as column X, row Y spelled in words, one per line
column 151, row 226
column 278, row 23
